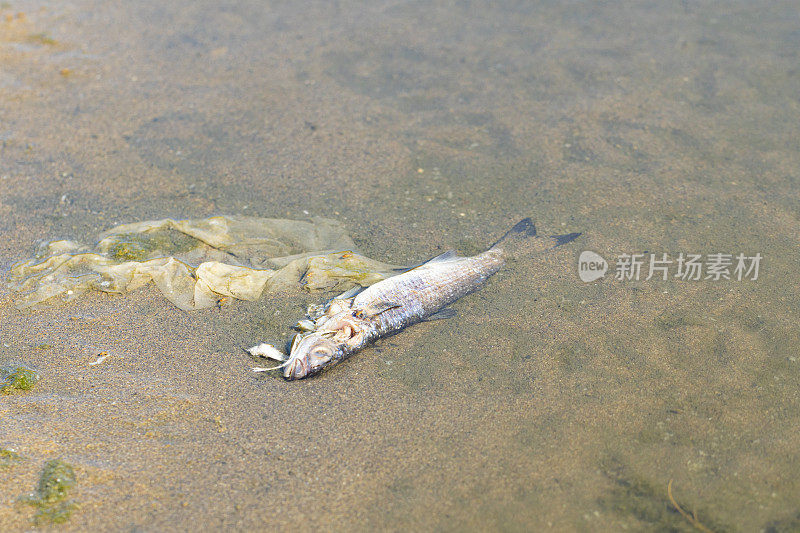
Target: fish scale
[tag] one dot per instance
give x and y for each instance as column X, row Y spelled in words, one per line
column 425, row 290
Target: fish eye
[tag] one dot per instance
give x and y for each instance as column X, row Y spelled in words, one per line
column 358, row 313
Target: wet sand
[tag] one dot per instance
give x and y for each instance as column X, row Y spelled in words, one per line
column 546, row 402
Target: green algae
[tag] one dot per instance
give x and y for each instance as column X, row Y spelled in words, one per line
column 42, row 38
column 8, row 458
column 17, row 377
column 143, row 246
column 50, row 496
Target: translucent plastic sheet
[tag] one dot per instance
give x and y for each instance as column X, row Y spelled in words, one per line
column 195, row 263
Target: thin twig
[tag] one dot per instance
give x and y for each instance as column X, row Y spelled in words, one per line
column 691, row 518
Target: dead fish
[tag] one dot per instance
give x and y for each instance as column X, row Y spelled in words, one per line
column 335, row 331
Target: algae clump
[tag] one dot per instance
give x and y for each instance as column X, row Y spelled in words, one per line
column 8, row 457
column 50, row 496
column 17, row 378
column 143, row 246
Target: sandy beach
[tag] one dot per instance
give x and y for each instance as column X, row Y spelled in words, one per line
column 546, row 402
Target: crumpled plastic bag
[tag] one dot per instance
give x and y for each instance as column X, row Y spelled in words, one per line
column 195, row 263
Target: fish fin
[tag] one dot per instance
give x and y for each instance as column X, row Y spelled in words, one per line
column 350, row 293
column 448, row 255
column 376, row 308
column 447, row 312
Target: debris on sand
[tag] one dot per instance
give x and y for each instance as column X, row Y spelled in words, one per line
column 17, row 377
column 197, row 263
column 50, row 496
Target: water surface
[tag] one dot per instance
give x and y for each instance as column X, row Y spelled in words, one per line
column 546, row 402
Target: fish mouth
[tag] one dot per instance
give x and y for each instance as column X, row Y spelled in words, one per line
column 297, row 369
column 302, row 367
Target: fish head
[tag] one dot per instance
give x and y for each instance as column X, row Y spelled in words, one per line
column 309, row 355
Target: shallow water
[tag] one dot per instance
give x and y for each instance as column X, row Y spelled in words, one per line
column 546, row 402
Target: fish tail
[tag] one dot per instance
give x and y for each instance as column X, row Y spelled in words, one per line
column 524, row 236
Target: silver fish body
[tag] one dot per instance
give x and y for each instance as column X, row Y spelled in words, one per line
column 349, row 323
column 425, row 290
